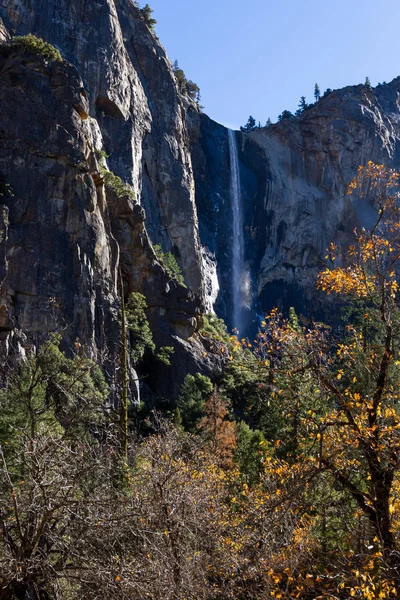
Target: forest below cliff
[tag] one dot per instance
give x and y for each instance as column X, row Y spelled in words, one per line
column 279, row 479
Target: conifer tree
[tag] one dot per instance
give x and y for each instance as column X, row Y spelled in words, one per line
column 302, row 103
column 250, row 125
column 286, row 114
column 302, row 106
column 148, row 19
column 317, row 92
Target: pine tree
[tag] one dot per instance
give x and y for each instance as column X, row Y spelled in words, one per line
column 194, row 393
column 250, row 125
column 302, row 103
column 192, row 90
column 148, row 19
column 286, row 114
column 302, row 106
column 317, row 92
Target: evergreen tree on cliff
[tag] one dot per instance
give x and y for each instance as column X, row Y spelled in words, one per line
column 146, row 13
column 286, row 114
column 317, row 92
column 250, row 125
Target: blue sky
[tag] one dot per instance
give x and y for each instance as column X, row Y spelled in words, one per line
column 258, row 57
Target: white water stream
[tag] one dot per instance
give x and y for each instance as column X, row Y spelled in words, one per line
column 240, row 278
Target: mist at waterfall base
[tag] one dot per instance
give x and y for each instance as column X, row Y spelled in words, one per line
column 241, row 287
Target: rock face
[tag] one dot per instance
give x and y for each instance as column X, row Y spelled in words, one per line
column 66, row 241
column 294, row 177
column 4, row 35
column 132, row 93
column 60, row 268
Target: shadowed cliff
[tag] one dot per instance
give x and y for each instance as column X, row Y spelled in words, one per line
column 66, row 237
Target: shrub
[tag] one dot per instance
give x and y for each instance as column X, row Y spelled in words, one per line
column 215, row 328
column 115, row 183
column 102, row 154
column 33, row 45
column 169, row 262
column 186, row 86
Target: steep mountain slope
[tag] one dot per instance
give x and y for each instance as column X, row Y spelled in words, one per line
column 66, row 237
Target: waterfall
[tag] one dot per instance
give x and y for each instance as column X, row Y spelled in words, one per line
column 240, row 279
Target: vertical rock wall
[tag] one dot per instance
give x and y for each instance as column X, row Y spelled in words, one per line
column 294, row 190
column 133, row 96
column 66, row 239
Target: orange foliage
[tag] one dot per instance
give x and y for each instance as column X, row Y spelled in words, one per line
column 219, row 431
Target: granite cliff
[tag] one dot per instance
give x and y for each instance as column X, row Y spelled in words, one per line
column 294, row 178
column 66, row 236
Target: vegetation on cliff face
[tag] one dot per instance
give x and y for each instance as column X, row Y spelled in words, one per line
column 186, row 86
column 251, row 124
column 116, row 184
column 280, row 479
column 32, row 44
column 146, row 13
column 170, row 264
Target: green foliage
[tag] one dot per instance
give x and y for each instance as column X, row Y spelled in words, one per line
column 193, row 91
column 115, row 183
column 367, row 82
column 50, row 392
column 194, row 393
column 186, row 86
column 170, row 264
column 164, row 354
column 214, row 328
column 250, row 125
column 317, row 92
column 336, row 514
column 33, row 45
column 285, row 115
column 248, row 389
column 250, row 453
column 141, row 336
column 102, row 154
column 302, row 106
column 303, row 103
column 146, row 13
